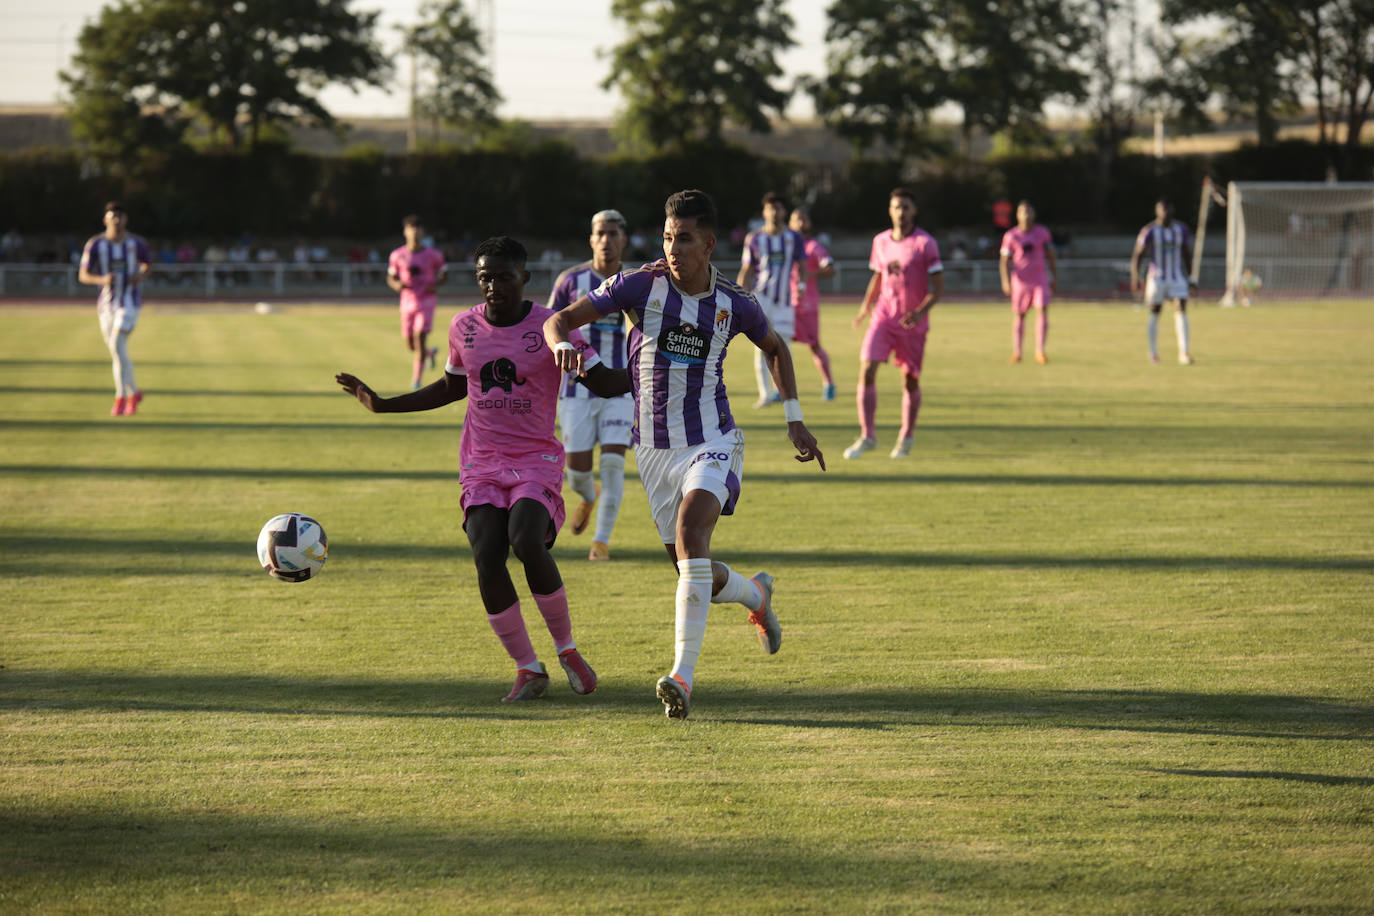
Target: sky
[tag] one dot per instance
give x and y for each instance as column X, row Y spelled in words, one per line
column 546, row 55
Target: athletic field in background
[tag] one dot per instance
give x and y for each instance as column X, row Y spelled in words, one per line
column 1103, row 644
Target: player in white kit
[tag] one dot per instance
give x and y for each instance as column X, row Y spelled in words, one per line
column 1168, row 246
column 690, row 454
column 766, row 270
column 585, row 418
column 117, row 261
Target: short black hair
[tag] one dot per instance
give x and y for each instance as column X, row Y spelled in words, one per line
column 901, row 192
column 413, row 220
column 1024, row 202
column 773, row 197
column 502, row 247
column 692, row 205
column 114, row 206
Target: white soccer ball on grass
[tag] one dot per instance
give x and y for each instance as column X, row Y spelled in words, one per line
column 292, row 547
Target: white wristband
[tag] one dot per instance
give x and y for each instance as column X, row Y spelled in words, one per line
column 791, row 409
column 563, row 345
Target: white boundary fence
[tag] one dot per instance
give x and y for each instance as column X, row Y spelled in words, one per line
column 1095, row 276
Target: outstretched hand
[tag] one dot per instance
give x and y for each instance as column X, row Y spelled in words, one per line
column 355, row 386
column 808, row 449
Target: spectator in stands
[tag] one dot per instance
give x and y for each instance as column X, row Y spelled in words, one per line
column 12, row 246
column 216, row 256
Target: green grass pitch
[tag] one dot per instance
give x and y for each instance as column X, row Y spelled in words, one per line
column 1103, row 644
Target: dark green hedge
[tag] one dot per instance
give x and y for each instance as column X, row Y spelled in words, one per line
column 548, row 191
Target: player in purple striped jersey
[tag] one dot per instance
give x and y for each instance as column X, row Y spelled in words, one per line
column 683, row 314
column 585, row 418
column 512, row 463
column 117, row 261
column 766, row 270
column 1168, row 247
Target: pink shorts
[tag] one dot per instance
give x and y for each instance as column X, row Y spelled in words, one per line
column 808, row 326
column 887, row 337
column 1025, row 296
column 417, row 320
column 502, row 488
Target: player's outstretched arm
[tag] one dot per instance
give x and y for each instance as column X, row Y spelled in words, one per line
column 779, row 358
column 605, row 382
column 560, row 325
column 446, row 390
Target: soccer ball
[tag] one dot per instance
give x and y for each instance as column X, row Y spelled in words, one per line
column 292, row 547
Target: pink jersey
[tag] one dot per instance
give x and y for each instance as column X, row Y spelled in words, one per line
column 419, row 271
column 905, row 266
column 805, row 293
column 1027, row 254
column 513, row 387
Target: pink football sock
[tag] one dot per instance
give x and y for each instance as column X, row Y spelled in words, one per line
column 510, row 629
column 911, row 406
column 1042, row 329
column 822, row 359
column 555, row 610
column 868, row 410
column 1018, row 327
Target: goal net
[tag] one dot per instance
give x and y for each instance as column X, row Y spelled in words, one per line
column 1299, row 239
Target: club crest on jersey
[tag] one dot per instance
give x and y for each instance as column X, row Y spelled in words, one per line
column 723, row 320
column 684, row 344
column 499, row 373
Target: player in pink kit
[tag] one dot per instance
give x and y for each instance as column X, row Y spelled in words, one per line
column 1030, row 272
column 511, row 459
column 908, row 279
column 415, row 270
column 814, row 264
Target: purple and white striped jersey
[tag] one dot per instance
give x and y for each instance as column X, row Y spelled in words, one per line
column 122, row 259
column 1164, row 246
column 772, row 257
column 677, row 351
column 606, row 334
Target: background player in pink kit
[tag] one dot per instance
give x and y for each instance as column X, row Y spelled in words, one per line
column 117, row 261
column 814, row 265
column 415, row 270
column 585, row 418
column 1168, row 246
column 683, row 314
column 908, row 279
column 1030, row 272
column 512, row 462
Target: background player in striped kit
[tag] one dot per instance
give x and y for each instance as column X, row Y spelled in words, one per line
column 815, row 264
column 1030, row 273
column 117, row 261
column 415, row 270
column 1168, row 245
column 512, row 463
column 690, row 454
column 585, row 418
column 766, row 269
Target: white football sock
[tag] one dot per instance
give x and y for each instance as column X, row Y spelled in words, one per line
column 693, row 603
column 738, row 590
column 123, row 366
column 581, row 483
column 761, row 373
column 1154, row 333
column 612, row 491
column 1181, row 328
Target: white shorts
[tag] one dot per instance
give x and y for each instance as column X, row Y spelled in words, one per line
column 587, row 421
column 121, row 320
column 1158, row 291
column 782, row 318
column 669, row 474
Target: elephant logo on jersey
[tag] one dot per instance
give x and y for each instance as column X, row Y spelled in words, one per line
column 894, row 268
column 499, row 373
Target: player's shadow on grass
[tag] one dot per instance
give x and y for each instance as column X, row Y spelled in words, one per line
column 86, row 554
column 1319, row 778
column 77, row 555
column 883, row 707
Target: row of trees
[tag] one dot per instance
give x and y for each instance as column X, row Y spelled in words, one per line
column 152, row 74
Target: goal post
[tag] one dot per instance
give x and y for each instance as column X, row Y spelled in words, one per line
column 1299, row 240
